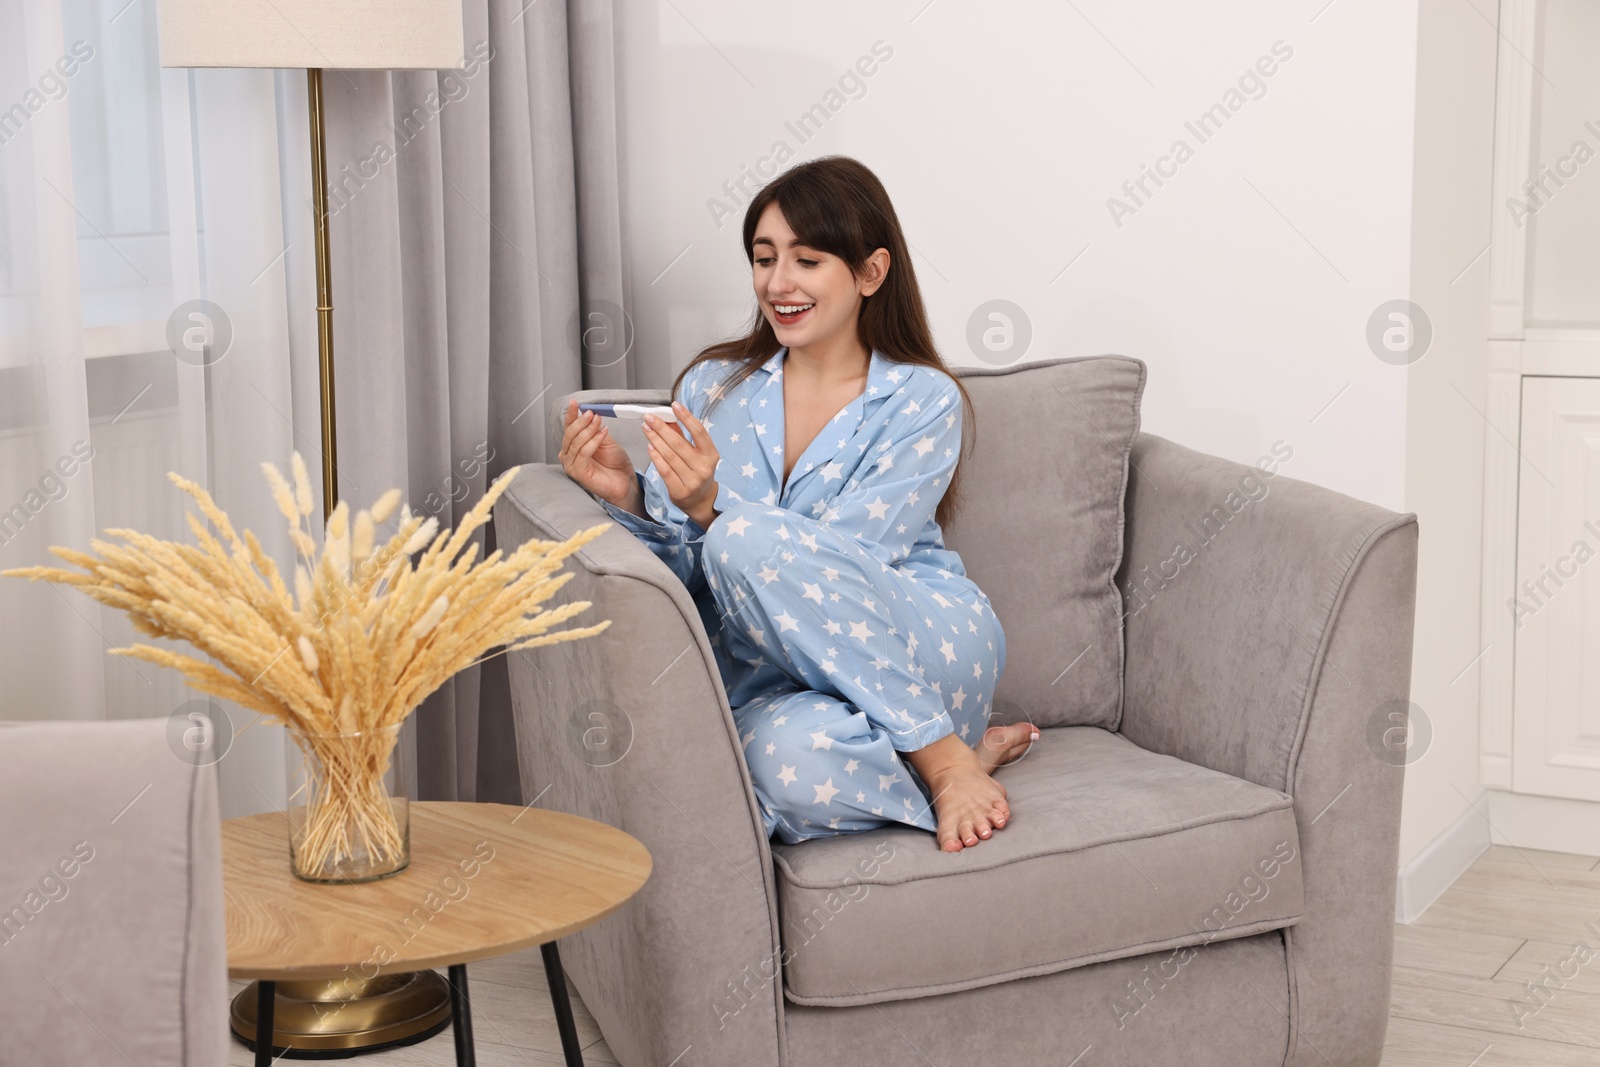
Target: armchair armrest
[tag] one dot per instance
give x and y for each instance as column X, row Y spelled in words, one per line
column 1269, row 628
column 632, row 728
column 112, row 943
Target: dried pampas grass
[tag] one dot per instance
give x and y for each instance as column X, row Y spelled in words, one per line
column 365, row 636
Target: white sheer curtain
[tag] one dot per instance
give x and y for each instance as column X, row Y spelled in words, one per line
column 127, row 192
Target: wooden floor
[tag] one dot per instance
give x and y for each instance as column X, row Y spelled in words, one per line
column 1459, row 977
column 1459, row 995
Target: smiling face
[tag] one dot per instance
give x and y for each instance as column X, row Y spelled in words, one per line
column 809, row 297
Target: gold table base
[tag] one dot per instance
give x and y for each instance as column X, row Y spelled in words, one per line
column 326, row 1018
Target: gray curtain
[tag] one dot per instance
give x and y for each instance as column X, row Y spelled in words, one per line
column 476, row 214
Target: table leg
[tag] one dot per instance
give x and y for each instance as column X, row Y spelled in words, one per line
column 461, row 1016
column 558, row 996
column 266, row 1001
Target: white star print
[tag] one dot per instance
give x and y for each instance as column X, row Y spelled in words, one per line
column 825, row 792
column 878, row 509
column 738, row 525
column 787, row 776
column 786, row 622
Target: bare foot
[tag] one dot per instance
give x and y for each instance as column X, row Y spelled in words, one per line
column 969, row 802
column 1002, row 744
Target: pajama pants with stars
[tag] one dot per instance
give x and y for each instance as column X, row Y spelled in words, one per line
column 836, row 662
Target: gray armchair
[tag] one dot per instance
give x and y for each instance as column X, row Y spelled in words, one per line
column 112, row 945
column 1205, row 876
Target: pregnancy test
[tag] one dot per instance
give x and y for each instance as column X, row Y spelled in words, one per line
column 632, row 411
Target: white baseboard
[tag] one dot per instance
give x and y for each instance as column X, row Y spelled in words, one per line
column 1442, row 861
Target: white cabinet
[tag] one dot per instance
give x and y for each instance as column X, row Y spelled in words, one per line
column 1539, row 709
column 1556, row 610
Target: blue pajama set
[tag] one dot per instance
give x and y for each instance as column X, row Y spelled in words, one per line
column 844, row 630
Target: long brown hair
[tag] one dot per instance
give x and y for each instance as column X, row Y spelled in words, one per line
column 836, row 205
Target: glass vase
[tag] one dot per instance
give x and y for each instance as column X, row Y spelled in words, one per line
column 349, row 793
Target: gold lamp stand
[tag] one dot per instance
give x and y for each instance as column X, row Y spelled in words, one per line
column 320, row 1019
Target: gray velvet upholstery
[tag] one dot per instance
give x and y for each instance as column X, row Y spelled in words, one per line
column 124, row 960
column 1129, row 907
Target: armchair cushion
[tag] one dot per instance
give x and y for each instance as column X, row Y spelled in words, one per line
column 1112, row 851
column 1040, row 529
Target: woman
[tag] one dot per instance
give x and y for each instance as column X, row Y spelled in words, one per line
column 800, row 496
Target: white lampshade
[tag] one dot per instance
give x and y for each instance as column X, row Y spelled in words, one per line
column 336, row 34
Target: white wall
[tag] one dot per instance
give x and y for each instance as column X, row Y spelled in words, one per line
column 1001, row 131
column 1445, row 438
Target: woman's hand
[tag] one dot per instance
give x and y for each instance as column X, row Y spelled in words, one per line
column 592, row 458
column 687, row 469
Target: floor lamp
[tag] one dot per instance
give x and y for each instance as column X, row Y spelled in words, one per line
column 322, row 1017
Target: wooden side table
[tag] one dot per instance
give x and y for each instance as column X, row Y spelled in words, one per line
column 484, row 880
